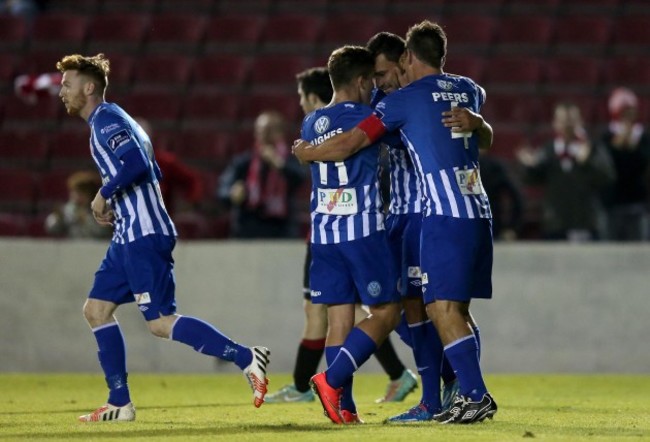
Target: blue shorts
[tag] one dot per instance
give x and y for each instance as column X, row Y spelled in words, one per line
column 351, row 272
column 456, row 258
column 404, row 239
column 140, row 271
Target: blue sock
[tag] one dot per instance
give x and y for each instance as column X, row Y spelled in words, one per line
column 463, row 356
column 206, row 339
column 477, row 335
column 347, row 400
column 112, row 358
column 356, row 350
column 427, row 351
column 403, row 331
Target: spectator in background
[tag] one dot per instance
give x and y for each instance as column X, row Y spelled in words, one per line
column 573, row 172
column 505, row 198
column 629, row 146
column 258, row 185
column 177, row 178
column 74, row 219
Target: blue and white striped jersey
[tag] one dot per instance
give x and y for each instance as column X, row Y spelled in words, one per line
column 139, row 209
column 405, row 190
column 345, row 199
column 446, row 163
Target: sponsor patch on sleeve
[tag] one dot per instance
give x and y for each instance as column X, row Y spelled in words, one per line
column 118, row 139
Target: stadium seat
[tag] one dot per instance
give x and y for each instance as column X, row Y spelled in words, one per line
column 506, row 141
column 21, row 116
column 585, row 35
column 369, row 7
column 513, row 73
column 244, row 6
column 480, row 7
column 70, row 150
column 203, row 7
column 177, row 33
column 466, row 65
column 52, row 189
column 513, row 110
column 630, row 71
column 38, row 62
column 349, row 29
column 191, row 225
column 162, row 109
column 121, row 76
column 524, row 34
column 75, row 6
column 146, row 6
column 64, row 32
column 13, row 32
column 604, row 8
column 12, row 224
column 399, row 24
column 18, row 193
column 209, row 148
column 277, row 71
column 631, row 35
column 119, row 32
column 23, row 150
column 162, row 72
column 533, row 7
column 287, row 105
column 578, row 74
column 215, row 112
column 291, row 32
column 7, row 71
column 469, row 33
column 221, row 72
column 301, row 6
column 233, row 33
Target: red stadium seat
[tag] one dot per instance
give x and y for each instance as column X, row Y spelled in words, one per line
column 630, row 71
column 75, row 6
column 399, row 24
column 513, row 73
column 223, row 71
column 191, row 225
column 70, row 150
column 13, row 32
column 525, row 34
column 205, row 147
column 573, row 73
column 179, row 33
column 582, row 35
column 44, row 115
column 465, row 65
column 349, row 29
column 201, row 111
column 244, row 6
column 603, row 8
column 291, row 32
column 7, row 71
column 278, row 71
column 513, row 110
column 162, row 72
column 160, row 108
column 109, row 6
column 23, row 150
column 17, row 191
column 121, row 76
column 507, row 141
column 123, row 32
column 63, row 31
column 12, row 225
column 631, row 35
column 287, row 105
column 233, row 33
column 52, row 189
column 470, row 33
column 195, row 6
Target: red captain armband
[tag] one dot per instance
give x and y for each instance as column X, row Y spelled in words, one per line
column 373, row 127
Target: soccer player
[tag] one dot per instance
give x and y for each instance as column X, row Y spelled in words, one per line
column 138, row 265
column 456, row 248
column 315, row 91
column 351, row 261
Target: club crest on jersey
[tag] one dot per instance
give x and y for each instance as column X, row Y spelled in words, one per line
column 321, row 125
column 374, row 289
column 445, row 85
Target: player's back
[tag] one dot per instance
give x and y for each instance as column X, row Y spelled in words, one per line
column 447, row 162
column 346, row 201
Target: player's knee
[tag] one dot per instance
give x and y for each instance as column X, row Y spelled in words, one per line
column 159, row 328
column 95, row 315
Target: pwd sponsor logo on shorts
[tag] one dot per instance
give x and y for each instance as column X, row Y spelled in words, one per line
column 315, row 293
column 142, row 298
column 425, row 278
column 374, row 289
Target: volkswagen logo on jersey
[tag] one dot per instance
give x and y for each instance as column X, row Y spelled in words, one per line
column 321, row 125
column 374, row 289
column 445, row 85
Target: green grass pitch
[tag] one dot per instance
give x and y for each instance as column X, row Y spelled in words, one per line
column 219, row 407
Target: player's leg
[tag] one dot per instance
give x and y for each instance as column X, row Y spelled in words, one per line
column 457, row 267
column 310, row 349
column 151, row 277
column 110, row 288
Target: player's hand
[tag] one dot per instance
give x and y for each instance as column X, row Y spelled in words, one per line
column 101, row 212
column 461, row 119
